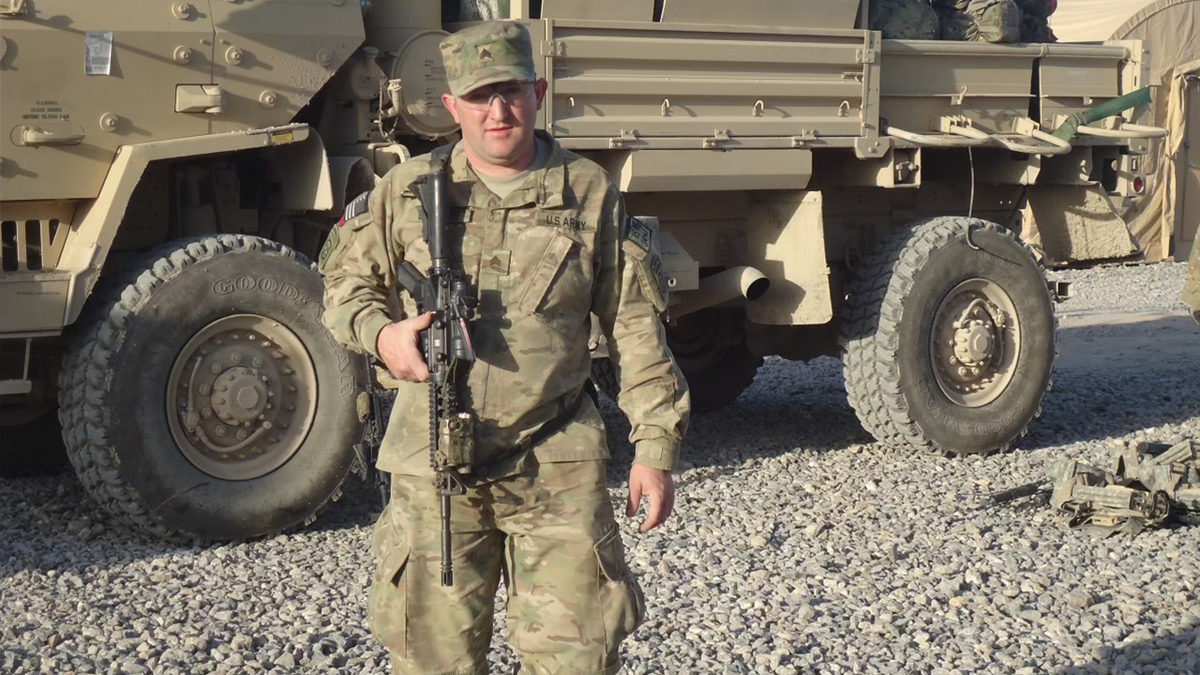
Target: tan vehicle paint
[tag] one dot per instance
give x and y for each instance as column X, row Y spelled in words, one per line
column 777, row 157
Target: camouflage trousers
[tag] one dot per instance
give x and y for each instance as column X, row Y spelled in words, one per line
column 548, row 532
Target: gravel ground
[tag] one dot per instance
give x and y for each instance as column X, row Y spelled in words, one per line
column 798, row 545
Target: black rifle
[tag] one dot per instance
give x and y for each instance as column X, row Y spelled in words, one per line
column 382, row 401
column 446, row 344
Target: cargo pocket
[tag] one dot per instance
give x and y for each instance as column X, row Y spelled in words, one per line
column 559, row 288
column 387, row 604
column 621, row 599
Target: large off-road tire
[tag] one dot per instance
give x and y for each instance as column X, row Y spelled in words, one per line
column 948, row 341
column 205, row 400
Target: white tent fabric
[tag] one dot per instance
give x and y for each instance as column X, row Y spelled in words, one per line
column 1170, row 29
column 1092, row 20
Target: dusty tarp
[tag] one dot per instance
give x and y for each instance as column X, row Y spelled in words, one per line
column 1157, row 217
column 1170, row 29
column 1092, row 20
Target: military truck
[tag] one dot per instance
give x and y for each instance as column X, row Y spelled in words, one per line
column 171, row 168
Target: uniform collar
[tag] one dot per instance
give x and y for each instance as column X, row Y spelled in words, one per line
column 544, row 188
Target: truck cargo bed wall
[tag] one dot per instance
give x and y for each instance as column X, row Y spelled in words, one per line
column 651, row 86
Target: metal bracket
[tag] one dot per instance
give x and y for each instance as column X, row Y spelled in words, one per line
column 804, row 138
column 871, row 147
column 1061, row 290
column 23, row 385
column 719, row 136
column 551, row 48
column 866, row 55
column 626, row 136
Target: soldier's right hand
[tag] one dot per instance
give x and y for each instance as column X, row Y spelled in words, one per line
column 398, row 346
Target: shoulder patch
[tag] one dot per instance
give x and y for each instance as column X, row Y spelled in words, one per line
column 331, row 242
column 356, row 207
column 639, row 233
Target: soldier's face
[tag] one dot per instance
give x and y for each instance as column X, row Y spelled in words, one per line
column 497, row 120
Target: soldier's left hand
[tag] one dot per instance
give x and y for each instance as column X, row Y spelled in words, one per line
column 658, row 486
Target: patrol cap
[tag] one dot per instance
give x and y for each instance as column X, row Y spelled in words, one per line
column 497, row 51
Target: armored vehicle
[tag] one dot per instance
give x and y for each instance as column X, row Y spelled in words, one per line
column 170, row 169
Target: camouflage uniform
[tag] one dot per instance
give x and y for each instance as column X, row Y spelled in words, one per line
column 541, row 261
column 1191, row 287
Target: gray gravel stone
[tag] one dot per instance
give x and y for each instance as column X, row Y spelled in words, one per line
column 798, row 544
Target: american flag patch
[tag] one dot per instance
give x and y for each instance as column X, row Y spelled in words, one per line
column 356, row 207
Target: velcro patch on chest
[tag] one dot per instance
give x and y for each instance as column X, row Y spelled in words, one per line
column 639, row 233
column 497, row 260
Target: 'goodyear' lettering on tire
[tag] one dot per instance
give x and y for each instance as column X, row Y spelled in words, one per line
column 247, row 282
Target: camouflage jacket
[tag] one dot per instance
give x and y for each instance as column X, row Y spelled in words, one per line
column 541, row 261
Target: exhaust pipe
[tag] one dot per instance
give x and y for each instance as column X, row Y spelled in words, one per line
column 738, row 282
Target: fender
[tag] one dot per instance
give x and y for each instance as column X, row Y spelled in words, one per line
column 301, row 161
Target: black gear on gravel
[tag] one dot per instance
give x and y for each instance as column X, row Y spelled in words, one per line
column 113, row 386
column 885, row 339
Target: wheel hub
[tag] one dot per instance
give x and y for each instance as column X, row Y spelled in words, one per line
column 975, row 343
column 245, row 392
column 241, row 396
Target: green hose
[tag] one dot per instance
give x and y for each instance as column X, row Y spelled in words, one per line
column 1066, row 130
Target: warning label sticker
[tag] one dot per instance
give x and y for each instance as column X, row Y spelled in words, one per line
column 99, row 53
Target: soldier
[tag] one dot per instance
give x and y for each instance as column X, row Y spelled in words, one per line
column 1191, row 287
column 544, row 237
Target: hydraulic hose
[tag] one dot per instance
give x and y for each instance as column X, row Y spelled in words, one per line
column 1116, row 106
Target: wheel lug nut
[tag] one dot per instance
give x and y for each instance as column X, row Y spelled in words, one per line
column 206, row 414
column 215, row 368
column 233, row 336
column 220, row 400
column 237, row 358
column 241, row 434
column 205, row 389
column 221, row 431
column 257, row 362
